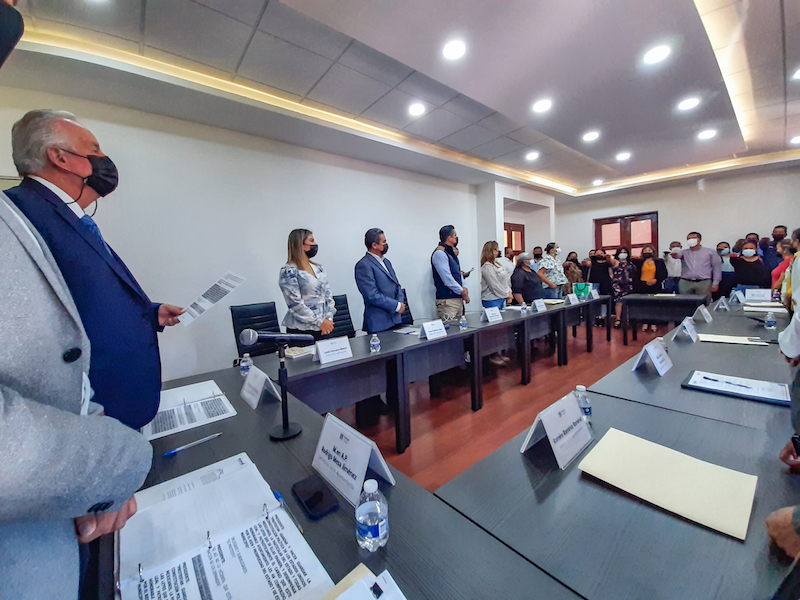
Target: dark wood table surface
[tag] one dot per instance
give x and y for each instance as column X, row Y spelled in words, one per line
column 657, row 308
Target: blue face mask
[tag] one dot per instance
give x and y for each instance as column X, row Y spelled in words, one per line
column 724, row 252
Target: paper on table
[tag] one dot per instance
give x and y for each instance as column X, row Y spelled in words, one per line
column 756, row 388
column 764, row 304
column 407, row 330
column 370, row 587
column 224, row 286
column 730, row 339
column 664, row 294
column 708, row 494
column 357, row 574
column 187, row 407
column 759, row 309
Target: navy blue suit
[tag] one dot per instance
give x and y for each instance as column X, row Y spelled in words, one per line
column 120, row 320
column 381, row 291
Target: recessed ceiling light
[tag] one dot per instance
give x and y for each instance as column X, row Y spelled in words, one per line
column 657, row 54
column 623, row 156
column 706, row 134
column 591, row 136
column 796, row 74
column 795, row 140
column 597, row 182
column 416, row 109
column 531, row 156
column 541, row 106
column 688, row 104
column 454, row 49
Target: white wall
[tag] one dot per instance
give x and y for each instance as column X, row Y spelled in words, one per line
column 725, row 210
column 196, row 201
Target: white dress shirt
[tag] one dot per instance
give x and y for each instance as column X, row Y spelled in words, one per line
column 64, row 196
column 385, row 268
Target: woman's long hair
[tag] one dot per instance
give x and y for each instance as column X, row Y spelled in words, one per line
column 297, row 256
column 488, row 254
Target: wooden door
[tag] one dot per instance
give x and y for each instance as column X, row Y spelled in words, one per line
column 631, row 231
column 514, row 236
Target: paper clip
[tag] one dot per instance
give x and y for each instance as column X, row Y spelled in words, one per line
column 141, row 579
column 208, row 537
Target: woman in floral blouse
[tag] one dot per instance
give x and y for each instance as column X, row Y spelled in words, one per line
column 552, row 272
column 623, row 275
column 305, row 288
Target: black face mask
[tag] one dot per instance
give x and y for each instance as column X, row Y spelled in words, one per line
column 456, row 244
column 104, row 178
column 573, row 260
column 647, row 255
column 312, row 252
column 537, row 256
column 385, row 248
column 778, row 237
column 11, row 29
column 598, row 259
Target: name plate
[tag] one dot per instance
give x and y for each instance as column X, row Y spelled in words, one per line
column 539, row 305
column 658, row 356
column 758, row 295
column 326, row 351
column 343, row 455
column 432, row 330
column 686, row 327
column 703, row 313
column 737, row 296
column 594, row 294
column 254, row 384
column 722, row 304
column 491, row 314
column 565, row 428
column 572, row 299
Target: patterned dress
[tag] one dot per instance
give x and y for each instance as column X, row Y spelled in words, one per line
column 308, row 298
column 622, row 278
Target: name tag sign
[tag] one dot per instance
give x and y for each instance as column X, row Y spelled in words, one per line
column 757, row 295
column 595, row 294
column 722, row 304
column 539, row 305
column 433, row 330
column 737, row 296
column 572, row 299
column 254, row 384
column 658, row 356
column 686, row 328
column 326, row 351
column 703, row 313
column 564, row 427
column 491, row 314
column 343, row 455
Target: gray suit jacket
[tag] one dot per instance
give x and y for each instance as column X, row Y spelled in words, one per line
column 54, row 463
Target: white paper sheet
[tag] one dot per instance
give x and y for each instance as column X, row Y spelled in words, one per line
column 407, row 330
column 765, row 309
column 187, row 407
column 714, row 496
column 730, row 339
column 755, row 388
column 223, row 286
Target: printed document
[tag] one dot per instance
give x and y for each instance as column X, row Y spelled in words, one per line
column 767, row 390
column 187, row 407
column 731, row 339
column 224, row 286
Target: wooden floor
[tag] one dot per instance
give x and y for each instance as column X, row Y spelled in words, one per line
column 447, row 436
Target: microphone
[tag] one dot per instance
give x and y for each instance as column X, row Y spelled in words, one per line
column 248, row 337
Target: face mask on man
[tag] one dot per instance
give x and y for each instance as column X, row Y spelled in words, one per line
column 778, row 236
column 623, row 256
column 105, row 176
column 675, row 249
column 748, row 252
column 692, row 242
column 312, row 252
column 537, row 255
column 724, row 251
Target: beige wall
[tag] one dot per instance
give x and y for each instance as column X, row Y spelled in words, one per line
column 726, row 209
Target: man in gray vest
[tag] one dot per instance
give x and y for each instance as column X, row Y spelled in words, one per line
column 450, row 293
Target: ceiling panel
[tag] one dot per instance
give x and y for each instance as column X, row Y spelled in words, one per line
column 469, row 138
column 468, row 108
column 437, row 124
column 426, row 88
column 372, row 63
column 526, row 135
column 176, row 26
column 246, row 11
column 392, row 110
column 121, row 17
column 499, row 123
column 282, row 65
column 348, row 90
column 495, row 148
column 295, row 27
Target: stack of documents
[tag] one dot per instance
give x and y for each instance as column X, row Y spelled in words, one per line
column 714, row 496
column 739, row 387
column 731, row 339
column 216, row 533
column 187, row 407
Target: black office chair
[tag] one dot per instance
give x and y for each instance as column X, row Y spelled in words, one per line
column 262, row 317
column 406, row 318
column 342, row 321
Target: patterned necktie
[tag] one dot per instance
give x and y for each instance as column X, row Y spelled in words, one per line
column 89, row 222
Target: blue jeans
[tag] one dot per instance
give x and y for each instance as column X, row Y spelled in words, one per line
column 671, row 285
column 552, row 293
column 499, row 303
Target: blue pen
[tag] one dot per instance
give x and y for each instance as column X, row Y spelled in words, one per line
column 280, row 499
column 191, row 444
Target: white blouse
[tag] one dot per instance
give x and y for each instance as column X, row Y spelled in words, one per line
column 494, row 282
column 308, row 298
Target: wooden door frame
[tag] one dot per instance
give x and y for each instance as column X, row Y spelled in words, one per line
column 511, row 227
column 622, row 219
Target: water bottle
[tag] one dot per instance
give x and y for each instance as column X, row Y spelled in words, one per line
column 374, row 343
column 524, row 308
column 372, row 517
column 584, row 402
column 770, row 322
column 245, row 364
column 462, row 324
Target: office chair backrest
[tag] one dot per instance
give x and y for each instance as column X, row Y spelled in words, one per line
column 342, row 321
column 406, row 317
column 261, row 317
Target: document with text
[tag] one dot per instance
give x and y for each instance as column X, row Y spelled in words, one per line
column 187, row 407
column 224, row 286
column 754, row 389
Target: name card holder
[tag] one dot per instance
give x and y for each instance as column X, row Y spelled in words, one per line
column 343, row 455
column 567, row 432
column 721, row 304
column 657, row 353
column 572, row 299
column 326, row 351
column 539, row 305
column 686, row 328
column 757, row 295
column 594, row 294
column 737, row 297
column 255, row 384
column 491, row 314
column 432, row 330
column 703, row 313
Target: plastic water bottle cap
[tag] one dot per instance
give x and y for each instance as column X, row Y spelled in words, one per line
column 580, row 388
column 370, row 486
column 246, row 355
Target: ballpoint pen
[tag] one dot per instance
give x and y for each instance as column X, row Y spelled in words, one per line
column 191, row 444
column 728, row 382
column 280, row 499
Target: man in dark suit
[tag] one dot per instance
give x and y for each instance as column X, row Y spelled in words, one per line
column 64, row 172
column 384, row 301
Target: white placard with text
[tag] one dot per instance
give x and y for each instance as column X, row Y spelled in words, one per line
column 722, row 304
column 686, row 327
column 539, row 305
column 254, row 385
column 432, row 330
column 703, row 313
column 326, row 351
column 595, row 294
column 491, row 314
column 572, row 299
column 565, row 428
column 737, row 296
column 343, row 455
column 757, row 295
column 658, row 356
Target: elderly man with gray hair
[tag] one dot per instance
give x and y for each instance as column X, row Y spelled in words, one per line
column 65, row 171
column 526, row 285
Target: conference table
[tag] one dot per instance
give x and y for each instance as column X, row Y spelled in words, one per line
column 433, row 552
column 659, row 308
